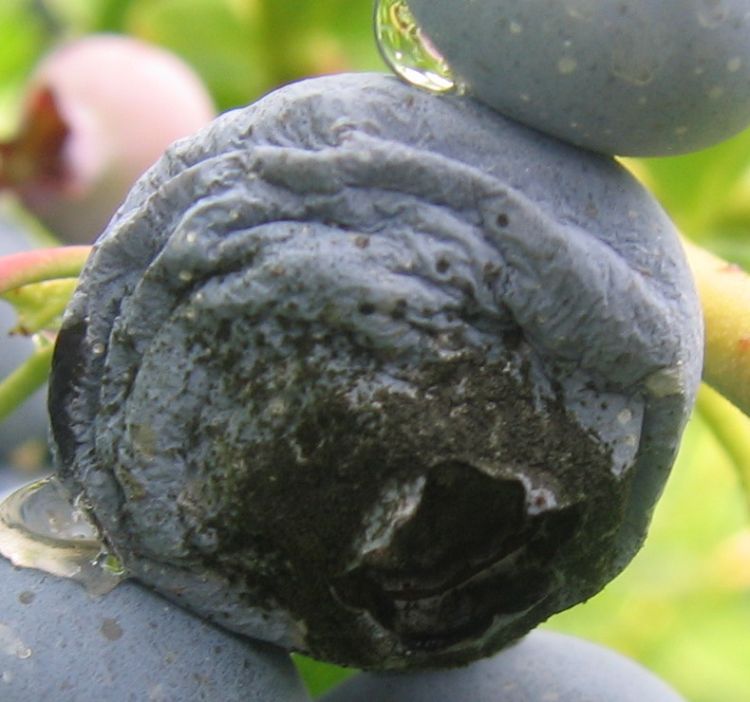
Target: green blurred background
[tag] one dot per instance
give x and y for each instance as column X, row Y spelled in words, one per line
column 683, row 607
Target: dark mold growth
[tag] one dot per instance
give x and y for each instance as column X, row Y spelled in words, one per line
column 356, row 391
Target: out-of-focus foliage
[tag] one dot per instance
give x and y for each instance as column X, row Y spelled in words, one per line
column 241, row 48
column 683, row 606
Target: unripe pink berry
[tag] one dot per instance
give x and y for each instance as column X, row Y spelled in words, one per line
column 99, row 111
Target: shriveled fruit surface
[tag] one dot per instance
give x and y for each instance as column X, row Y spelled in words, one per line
column 375, row 375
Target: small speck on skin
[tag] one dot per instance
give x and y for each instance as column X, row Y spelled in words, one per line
column 567, row 65
column 515, row 27
column 110, row 629
column 26, row 597
column 624, row 416
column 734, row 64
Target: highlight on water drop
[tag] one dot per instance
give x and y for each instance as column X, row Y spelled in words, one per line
column 408, row 51
column 40, row 527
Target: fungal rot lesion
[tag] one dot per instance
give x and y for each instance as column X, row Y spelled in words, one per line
column 479, row 527
column 467, row 551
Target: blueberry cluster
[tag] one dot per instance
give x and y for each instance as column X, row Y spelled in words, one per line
column 388, row 378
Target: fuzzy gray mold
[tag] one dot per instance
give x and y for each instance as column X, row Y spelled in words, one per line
column 377, row 376
column 629, row 77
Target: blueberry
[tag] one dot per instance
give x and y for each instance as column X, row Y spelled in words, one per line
column 58, row 643
column 376, row 375
column 629, row 77
column 543, row 667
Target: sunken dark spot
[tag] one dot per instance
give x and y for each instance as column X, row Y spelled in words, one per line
column 399, row 309
column 471, row 552
column 502, row 220
column 67, row 369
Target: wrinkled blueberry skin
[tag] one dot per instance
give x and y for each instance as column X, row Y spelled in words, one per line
column 632, row 77
column 543, row 666
column 59, row 643
column 375, row 375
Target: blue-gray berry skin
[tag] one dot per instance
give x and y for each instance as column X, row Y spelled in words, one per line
column 376, row 375
column 58, row 643
column 543, row 667
column 628, row 77
column 28, row 422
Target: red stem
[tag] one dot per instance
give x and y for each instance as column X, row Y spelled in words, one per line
column 17, row 270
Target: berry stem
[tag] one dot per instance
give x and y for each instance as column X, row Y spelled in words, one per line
column 17, row 270
column 25, row 380
column 731, row 428
column 724, row 289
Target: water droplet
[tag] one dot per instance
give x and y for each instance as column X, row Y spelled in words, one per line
column 42, row 528
column 11, row 643
column 625, row 416
column 635, row 55
column 408, row 51
column 185, row 276
column 98, row 348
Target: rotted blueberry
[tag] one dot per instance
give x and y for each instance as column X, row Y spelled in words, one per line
column 375, row 375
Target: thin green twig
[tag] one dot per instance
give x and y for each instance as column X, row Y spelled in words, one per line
column 25, row 380
column 732, row 428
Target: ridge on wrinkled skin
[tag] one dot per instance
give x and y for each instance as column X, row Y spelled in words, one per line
column 377, row 376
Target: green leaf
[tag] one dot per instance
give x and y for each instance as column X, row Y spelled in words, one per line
column 732, row 429
column 697, row 189
column 320, row 677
